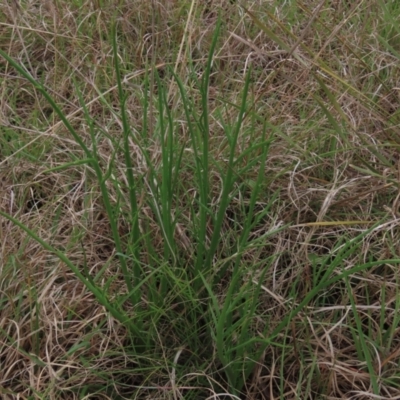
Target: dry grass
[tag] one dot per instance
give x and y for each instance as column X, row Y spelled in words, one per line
column 326, row 81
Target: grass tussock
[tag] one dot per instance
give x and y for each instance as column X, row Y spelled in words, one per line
column 199, row 200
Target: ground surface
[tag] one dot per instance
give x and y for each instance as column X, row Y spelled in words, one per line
column 199, row 200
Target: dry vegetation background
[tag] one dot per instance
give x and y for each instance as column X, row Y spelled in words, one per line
column 323, row 81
